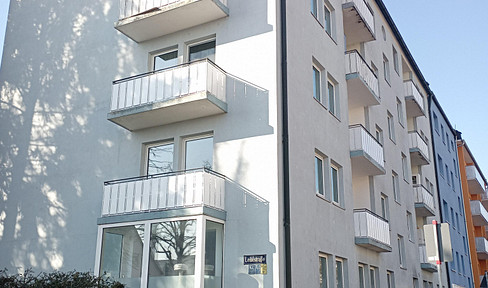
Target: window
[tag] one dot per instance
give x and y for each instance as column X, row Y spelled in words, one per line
column 447, row 173
column 400, row 112
column 436, row 122
column 386, row 69
column 455, row 168
column 391, row 127
column 452, row 181
column 331, row 93
column 405, row 167
column 415, row 283
column 457, row 220
column 384, row 207
column 457, row 262
column 159, row 158
column 372, row 277
column 121, row 256
column 390, row 279
column 323, row 271
column 319, row 176
column 327, row 20
column 316, row 83
column 465, row 246
column 452, row 218
column 339, row 273
column 410, row 226
column 396, row 186
column 452, row 147
column 441, row 165
column 375, row 69
column 401, row 251
column 165, row 60
column 202, row 51
column 442, row 134
column 362, row 283
column 396, row 64
column 462, row 265
column 379, row 135
column 314, row 8
column 446, row 210
column 334, row 183
column 199, row 153
column 171, row 246
column 333, row 96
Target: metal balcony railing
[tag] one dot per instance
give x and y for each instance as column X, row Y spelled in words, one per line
column 356, row 64
column 411, row 91
column 416, row 141
column 422, row 195
column 168, row 84
column 130, row 8
column 190, row 188
column 361, row 139
column 369, row 225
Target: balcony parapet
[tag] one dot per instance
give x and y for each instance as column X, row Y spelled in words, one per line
column 475, row 181
column 362, row 83
column 143, row 20
column 183, row 189
column 424, row 263
column 371, row 231
column 479, row 213
column 424, row 201
column 366, row 152
column 419, row 150
column 481, row 248
column 414, row 101
column 358, row 21
column 183, row 92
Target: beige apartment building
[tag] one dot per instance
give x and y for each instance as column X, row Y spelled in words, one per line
column 216, row 143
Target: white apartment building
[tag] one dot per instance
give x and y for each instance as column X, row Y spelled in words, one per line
column 215, row 143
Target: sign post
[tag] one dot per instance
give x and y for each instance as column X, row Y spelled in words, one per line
column 438, row 244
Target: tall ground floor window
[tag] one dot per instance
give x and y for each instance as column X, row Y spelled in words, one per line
column 179, row 252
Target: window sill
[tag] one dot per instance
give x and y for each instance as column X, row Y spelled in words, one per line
column 338, row 205
column 335, row 116
column 322, row 197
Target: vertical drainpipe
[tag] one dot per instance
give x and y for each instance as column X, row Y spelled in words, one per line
column 429, row 104
column 285, row 143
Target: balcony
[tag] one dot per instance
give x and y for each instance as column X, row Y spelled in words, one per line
column 414, row 101
column 362, row 84
column 371, row 231
column 143, row 20
column 191, row 188
column 179, row 93
column 482, row 248
column 367, row 156
column 419, row 150
column 479, row 213
column 424, row 201
column 424, row 263
column 475, row 181
column 358, row 21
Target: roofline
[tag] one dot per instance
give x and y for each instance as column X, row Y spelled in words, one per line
column 403, row 45
column 463, row 142
column 439, row 106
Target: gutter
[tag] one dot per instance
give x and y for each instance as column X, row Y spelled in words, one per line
column 285, row 143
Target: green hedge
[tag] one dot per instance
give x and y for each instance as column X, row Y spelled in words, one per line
column 56, row 279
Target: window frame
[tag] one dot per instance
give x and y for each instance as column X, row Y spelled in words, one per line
column 148, row 146
column 156, row 54
column 317, row 86
column 189, row 46
column 396, row 186
column 322, row 177
column 386, row 69
column 391, row 127
column 321, row 269
column 334, row 107
column 396, row 64
column 184, row 149
column 342, row 274
column 401, row 251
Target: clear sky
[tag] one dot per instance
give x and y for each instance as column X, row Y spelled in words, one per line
column 3, row 23
column 449, row 41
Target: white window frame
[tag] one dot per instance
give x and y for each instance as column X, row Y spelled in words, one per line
column 396, row 186
column 147, row 146
column 322, row 159
column 373, row 277
column 317, row 83
column 362, row 268
column 187, row 139
column 410, row 226
column 334, row 108
column 396, row 62
column 390, row 279
column 405, row 167
column 386, row 69
column 343, row 272
column 339, row 193
column 324, row 284
column 391, row 127
column 401, row 251
column 385, row 207
column 314, row 8
column 153, row 55
column 200, row 42
column 400, row 112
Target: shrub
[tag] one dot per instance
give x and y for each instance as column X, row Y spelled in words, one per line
column 56, row 279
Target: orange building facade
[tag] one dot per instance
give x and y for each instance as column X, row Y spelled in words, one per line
column 475, row 199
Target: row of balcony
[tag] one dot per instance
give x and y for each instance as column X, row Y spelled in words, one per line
column 476, row 183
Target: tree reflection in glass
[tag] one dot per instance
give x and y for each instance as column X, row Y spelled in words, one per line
column 172, row 254
column 160, row 159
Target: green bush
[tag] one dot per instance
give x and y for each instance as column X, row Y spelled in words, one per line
column 56, row 279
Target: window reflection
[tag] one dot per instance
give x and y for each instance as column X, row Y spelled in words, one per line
column 214, row 237
column 160, row 159
column 199, row 153
column 172, row 254
column 122, row 254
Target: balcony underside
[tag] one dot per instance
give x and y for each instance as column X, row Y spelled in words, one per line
column 364, row 165
column 171, row 18
column 423, row 210
column 359, row 94
column 413, row 108
column 429, row 267
column 191, row 106
column 475, row 187
column 355, row 27
column 417, row 157
column 372, row 244
column 479, row 220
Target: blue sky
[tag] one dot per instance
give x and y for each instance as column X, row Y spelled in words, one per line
column 449, row 42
